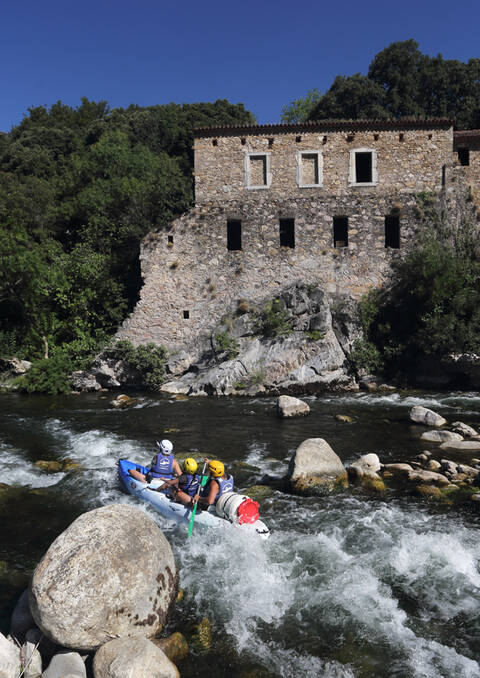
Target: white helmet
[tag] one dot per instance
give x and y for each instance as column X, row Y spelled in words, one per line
column 165, row 447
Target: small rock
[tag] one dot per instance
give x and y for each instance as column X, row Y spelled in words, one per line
column 31, row 661
column 428, row 478
column 399, row 469
column 65, row 663
column 434, row 465
column 475, row 497
column 123, row 401
column 368, row 463
column 464, row 429
column 461, row 446
column 422, row 415
column 175, row 646
column 49, row 466
column 291, row 407
column 201, row 638
column 440, row 436
column 22, row 619
column 344, row 418
column 468, row 470
column 422, row 457
column 9, row 658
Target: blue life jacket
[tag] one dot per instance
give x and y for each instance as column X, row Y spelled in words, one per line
column 191, row 485
column 225, row 485
column 162, row 466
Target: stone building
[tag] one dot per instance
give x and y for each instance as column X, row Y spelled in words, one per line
column 326, row 203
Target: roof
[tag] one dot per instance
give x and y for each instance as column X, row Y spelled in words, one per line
column 326, row 126
column 464, row 135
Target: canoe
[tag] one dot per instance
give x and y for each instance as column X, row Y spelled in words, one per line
column 178, row 512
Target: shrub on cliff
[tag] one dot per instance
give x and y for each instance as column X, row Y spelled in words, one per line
column 274, row 320
column 148, row 359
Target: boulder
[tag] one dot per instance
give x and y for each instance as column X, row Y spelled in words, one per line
column 22, row 619
column 14, row 367
column 291, row 407
column 422, row 415
column 44, row 645
column 440, row 436
column 123, row 400
column 344, row 418
column 66, row 664
column 82, row 380
column 461, row 446
column 132, row 657
column 465, row 430
column 398, row 469
column 110, row 574
column 315, row 466
column 9, row 658
column 429, row 491
column 434, row 465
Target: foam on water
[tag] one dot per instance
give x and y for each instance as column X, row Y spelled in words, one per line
column 15, row 471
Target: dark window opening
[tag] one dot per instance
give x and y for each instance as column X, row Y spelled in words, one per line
column 350, row 137
column 464, row 156
column 392, row 232
column 243, row 141
column 298, row 139
column 270, row 143
column 444, row 174
column 376, row 137
column 170, row 239
column 214, row 142
column 287, row 233
column 401, row 136
column 186, row 315
column 340, row 231
column 324, row 140
column 430, row 136
column 363, row 168
column 234, row 235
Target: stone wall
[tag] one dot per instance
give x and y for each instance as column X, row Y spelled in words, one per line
column 470, row 139
column 408, row 159
column 191, row 278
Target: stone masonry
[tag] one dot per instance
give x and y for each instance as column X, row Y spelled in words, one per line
column 358, row 176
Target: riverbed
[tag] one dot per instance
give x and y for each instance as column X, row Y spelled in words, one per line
column 350, row 585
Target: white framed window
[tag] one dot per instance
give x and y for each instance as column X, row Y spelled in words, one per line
column 309, row 169
column 257, row 170
column 363, row 167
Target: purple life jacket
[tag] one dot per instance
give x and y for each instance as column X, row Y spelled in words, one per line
column 225, row 485
column 190, row 487
column 163, row 466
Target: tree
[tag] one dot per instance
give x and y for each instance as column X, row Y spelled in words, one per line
column 300, row 109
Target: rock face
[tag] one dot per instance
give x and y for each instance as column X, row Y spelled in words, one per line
column 311, row 357
column 422, row 415
column 291, row 407
column 315, row 467
column 135, row 658
column 110, row 574
column 106, row 373
column 9, row 658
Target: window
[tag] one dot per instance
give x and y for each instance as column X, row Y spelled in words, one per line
column 170, row 239
column 309, row 169
column 464, row 156
column 257, row 170
column 287, row 233
column 340, row 231
column 363, row 167
column 234, row 234
column 186, row 315
column 392, row 232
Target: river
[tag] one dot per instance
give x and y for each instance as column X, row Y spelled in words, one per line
column 350, row 585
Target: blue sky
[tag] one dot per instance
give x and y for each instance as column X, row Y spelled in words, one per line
column 264, row 54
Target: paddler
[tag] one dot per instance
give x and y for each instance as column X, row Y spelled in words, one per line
column 182, row 489
column 218, row 483
column 164, row 465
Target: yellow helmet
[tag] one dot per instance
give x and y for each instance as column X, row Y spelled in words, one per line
column 190, row 465
column 216, row 468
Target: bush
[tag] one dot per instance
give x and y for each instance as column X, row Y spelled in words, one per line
column 226, row 344
column 365, row 356
column 49, row 375
column 148, row 359
column 274, row 320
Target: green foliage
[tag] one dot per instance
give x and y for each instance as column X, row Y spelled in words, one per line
column 300, row 109
column 402, row 81
column 226, row 344
column 148, row 359
column 430, row 306
column 314, row 335
column 365, row 356
column 273, row 320
column 49, row 375
column 79, row 189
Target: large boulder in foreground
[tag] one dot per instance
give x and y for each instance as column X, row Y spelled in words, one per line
column 315, row 468
column 9, row 658
column 287, row 407
column 422, row 415
column 135, row 658
column 110, row 574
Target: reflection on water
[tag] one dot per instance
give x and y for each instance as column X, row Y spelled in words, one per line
column 348, row 585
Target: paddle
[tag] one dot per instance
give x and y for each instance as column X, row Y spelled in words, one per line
column 194, row 510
